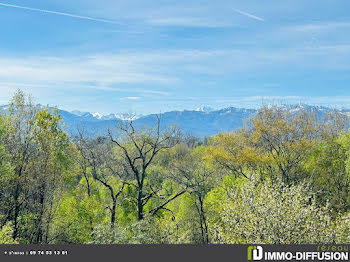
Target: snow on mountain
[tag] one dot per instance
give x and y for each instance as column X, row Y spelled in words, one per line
column 97, row 115
column 110, row 117
column 202, row 122
column 127, row 116
column 205, row 109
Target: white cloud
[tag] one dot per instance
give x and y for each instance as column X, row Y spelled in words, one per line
column 186, row 21
column 163, row 68
column 321, row 26
column 248, row 15
column 131, row 98
column 100, row 71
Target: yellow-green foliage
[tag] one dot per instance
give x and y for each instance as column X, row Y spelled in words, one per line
column 6, row 234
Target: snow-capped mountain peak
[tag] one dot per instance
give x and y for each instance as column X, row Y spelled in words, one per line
column 206, row 109
column 97, row 115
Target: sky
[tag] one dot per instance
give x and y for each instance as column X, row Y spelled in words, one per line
column 128, row 56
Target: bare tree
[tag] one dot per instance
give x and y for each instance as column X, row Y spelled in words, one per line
column 97, row 154
column 139, row 149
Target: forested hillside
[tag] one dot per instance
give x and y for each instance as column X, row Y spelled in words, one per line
column 283, row 178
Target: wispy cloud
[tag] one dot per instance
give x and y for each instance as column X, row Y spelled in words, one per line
column 321, row 26
column 154, row 92
column 98, row 71
column 161, row 69
column 60, row 13
column 131, row 98
column 248, row 15
column 186, row 21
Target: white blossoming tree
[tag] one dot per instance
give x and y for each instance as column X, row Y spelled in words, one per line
column 271, row 213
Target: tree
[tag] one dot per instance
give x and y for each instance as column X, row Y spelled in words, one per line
column 18, row 141
column 272, row 213
column 39, row 152
column 6, row 174
column 98, row 156
column 145, row 231
column 236, row 154
column 139, row 149
column 188, row 168
column 6, row 234
column 53, row 164
column 277, row 143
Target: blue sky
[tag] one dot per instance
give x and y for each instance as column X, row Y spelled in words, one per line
column 160, row 55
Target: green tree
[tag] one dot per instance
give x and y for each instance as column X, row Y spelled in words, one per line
column 40, row 154
column 188, row 168
column 6, row 234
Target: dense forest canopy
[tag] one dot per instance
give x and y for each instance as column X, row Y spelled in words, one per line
column 283, row 178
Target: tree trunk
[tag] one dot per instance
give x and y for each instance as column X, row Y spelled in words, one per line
column 203, row 221
column 16, row 213
column 140, row 204
column 113, row 213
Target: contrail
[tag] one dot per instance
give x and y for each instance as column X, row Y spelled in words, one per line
column 248, row 15
column 59, row 13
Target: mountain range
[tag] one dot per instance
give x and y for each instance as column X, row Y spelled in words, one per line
column 201, row 122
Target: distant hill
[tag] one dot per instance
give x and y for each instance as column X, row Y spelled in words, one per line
column 200, row 122
column 197, row 122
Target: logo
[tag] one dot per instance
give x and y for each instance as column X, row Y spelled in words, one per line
column 255, row 253
column 333, row 253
